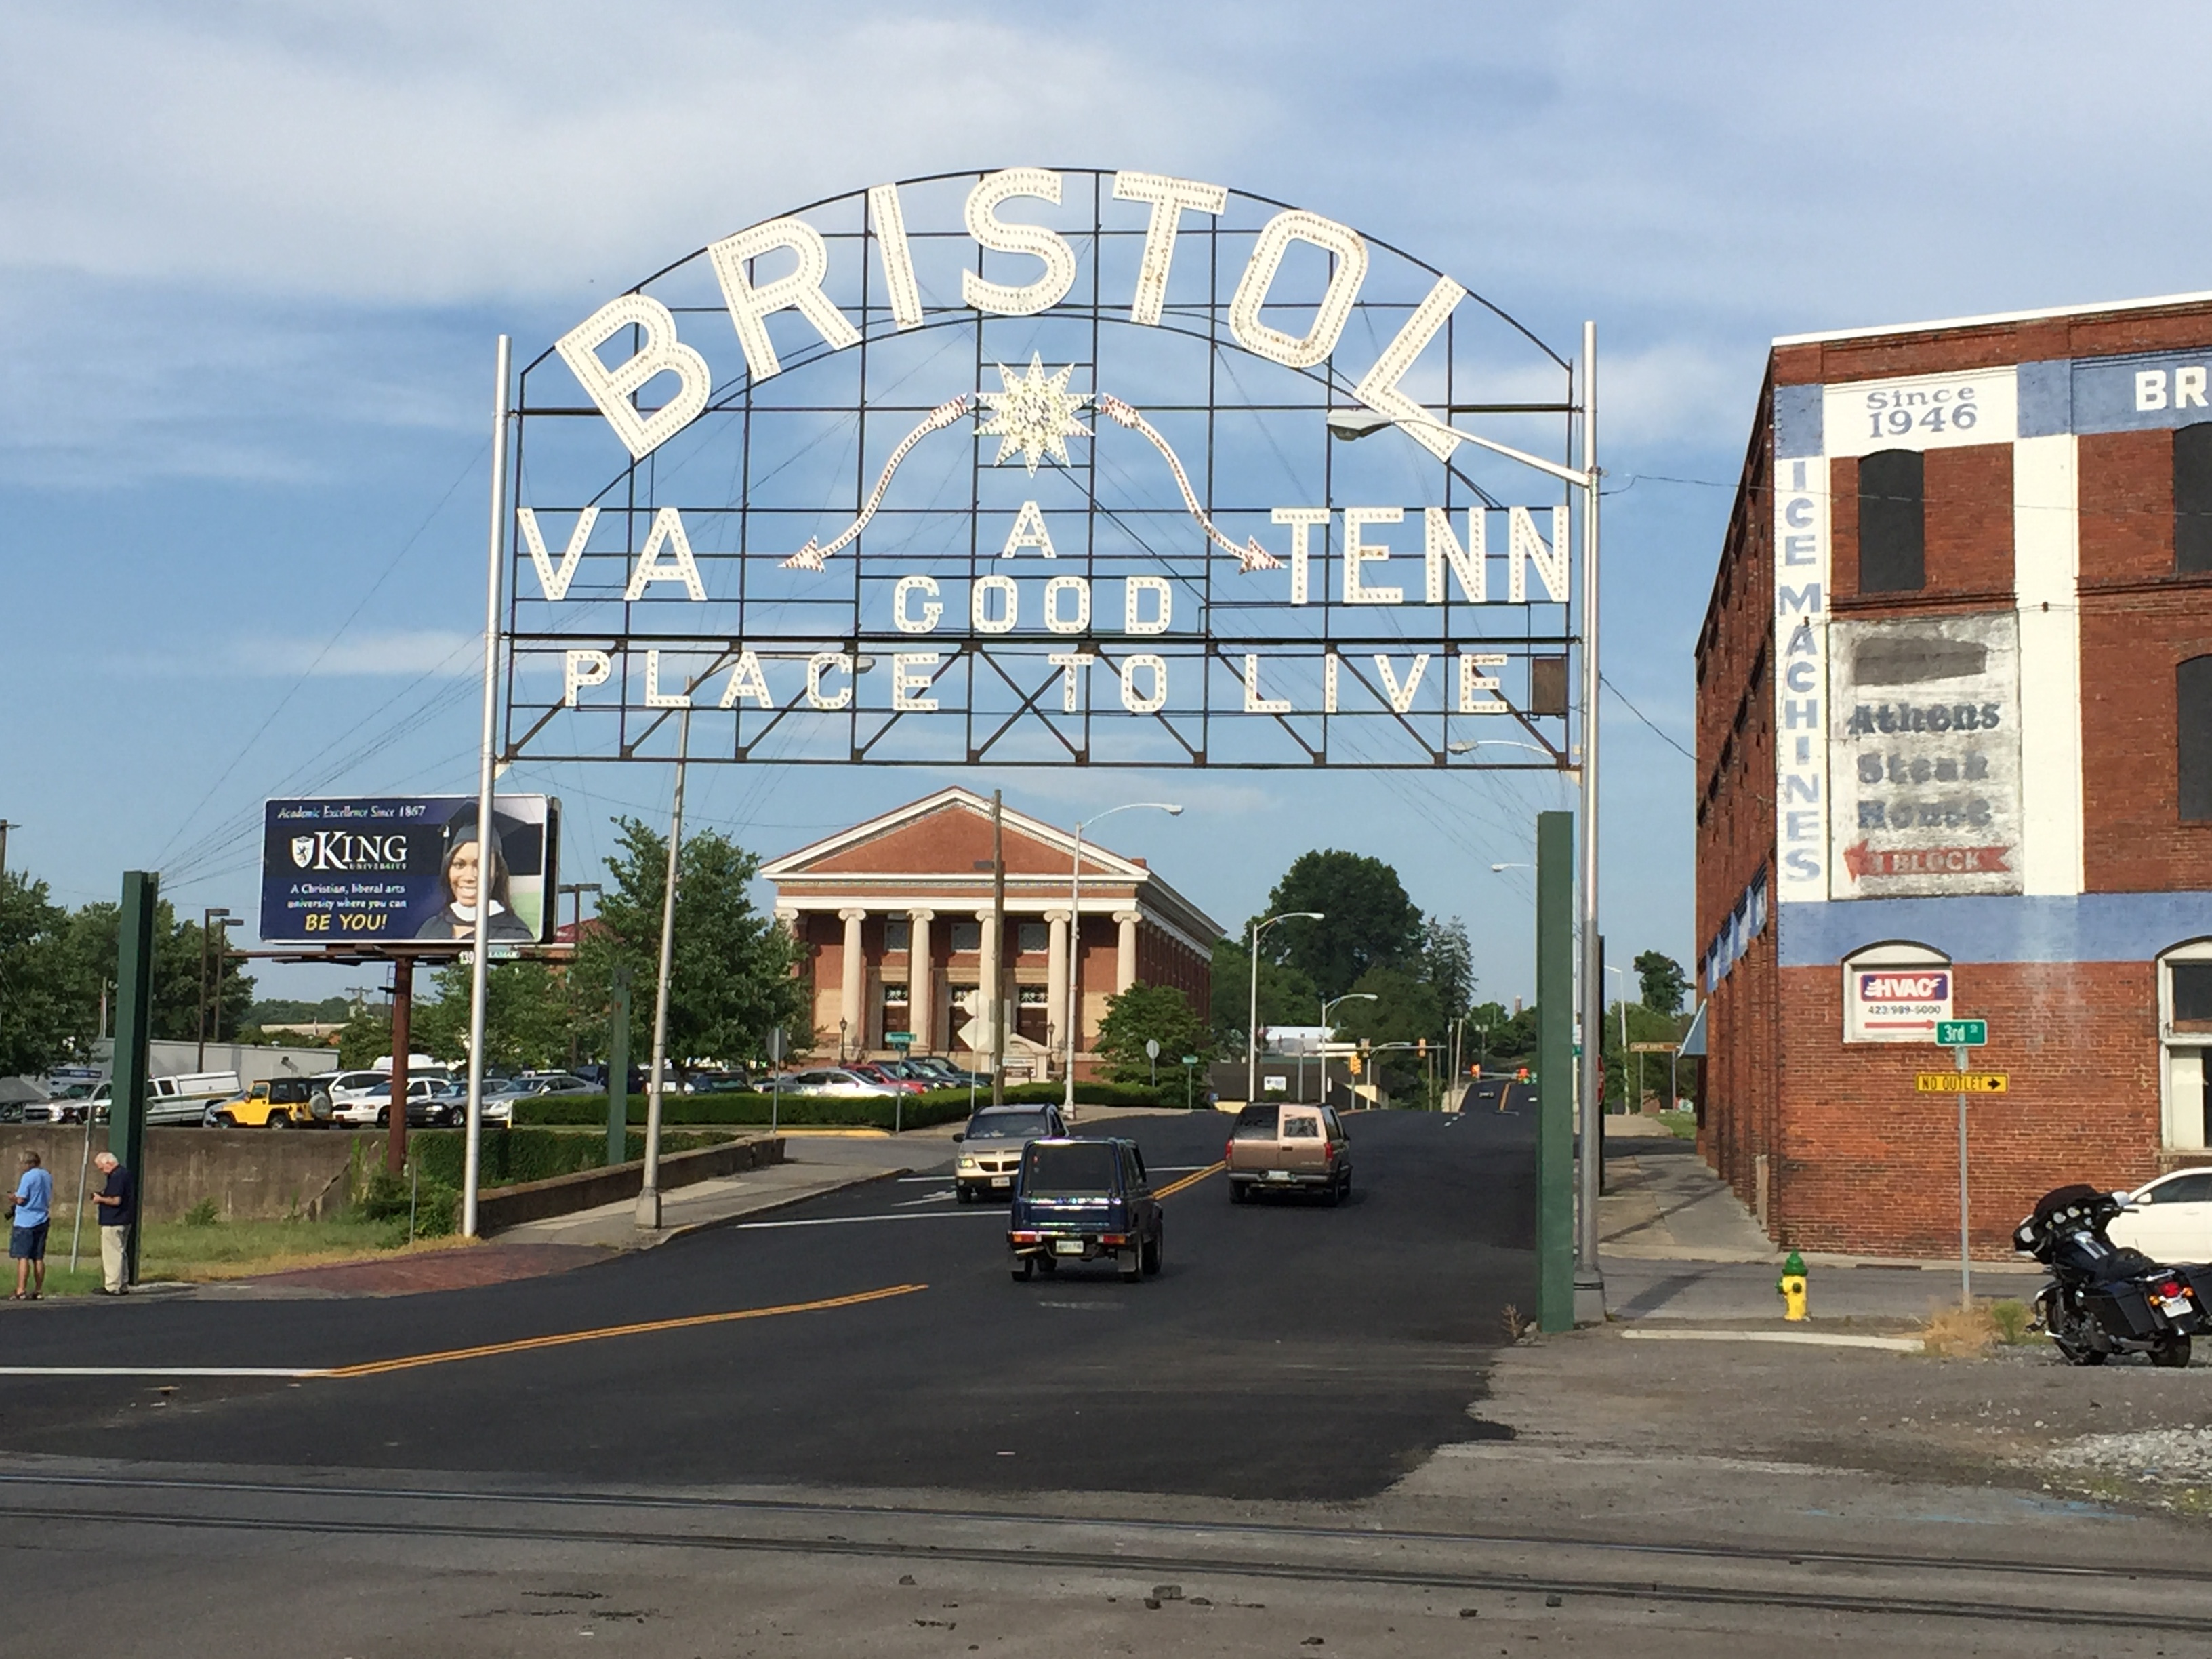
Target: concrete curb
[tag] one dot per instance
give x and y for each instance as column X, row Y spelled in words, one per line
column 1807, row 1338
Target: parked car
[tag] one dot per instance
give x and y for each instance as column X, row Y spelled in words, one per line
column 556, row 1083
column 279, row 1104
column 1288, row 1148
column 169, row 1100
column 354, row 1100
column 2170, row 1219
column 833, row 1080
column 720, row 1083
column 991, row 1148
column 877, row 1072
column 432, row 1104
column 953, row 1077
column 1084, row 1200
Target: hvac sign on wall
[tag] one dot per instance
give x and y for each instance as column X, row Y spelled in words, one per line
column 1042, row 467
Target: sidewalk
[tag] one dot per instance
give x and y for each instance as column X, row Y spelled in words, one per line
column 1675, row 1243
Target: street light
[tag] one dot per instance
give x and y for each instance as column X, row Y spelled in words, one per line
column 1351, row 424
column 1623, row 1005
column 211, row 919
column 1075, row 925
column 1327, row 1003
column 1252, row 1022
column 1497, row 869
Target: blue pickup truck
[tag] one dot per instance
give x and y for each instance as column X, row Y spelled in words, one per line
column 1084, row 1200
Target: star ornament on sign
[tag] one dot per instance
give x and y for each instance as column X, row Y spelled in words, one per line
column 1033, row 413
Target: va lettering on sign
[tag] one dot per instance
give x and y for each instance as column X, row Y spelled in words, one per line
column 982, row 464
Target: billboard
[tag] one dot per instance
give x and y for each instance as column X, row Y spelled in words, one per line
column 1925, row 756
column 401, row 869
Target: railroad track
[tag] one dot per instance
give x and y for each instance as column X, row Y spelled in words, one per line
column 2151, row 1597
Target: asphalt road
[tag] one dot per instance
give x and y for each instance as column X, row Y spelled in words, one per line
column 1288, row 1350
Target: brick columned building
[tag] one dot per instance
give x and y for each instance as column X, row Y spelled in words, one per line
column 895, row 915
column 1954, row 750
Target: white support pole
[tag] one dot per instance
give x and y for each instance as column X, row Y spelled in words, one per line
column 1074, row 960
column 1589, row 1281
column 648, row 1196
column 473, row 1163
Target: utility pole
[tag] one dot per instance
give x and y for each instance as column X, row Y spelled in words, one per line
column 402, row 1039
column 5, row 828
column 210, row 921
column 648, row 1196
column 1555, row 1071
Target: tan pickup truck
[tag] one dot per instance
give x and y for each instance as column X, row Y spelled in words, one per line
column 1289, row 1148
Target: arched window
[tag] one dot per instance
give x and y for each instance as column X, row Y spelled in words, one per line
column 2192, row 738
column 1892, row 522
column 2185, row 1030
column 2192, row 499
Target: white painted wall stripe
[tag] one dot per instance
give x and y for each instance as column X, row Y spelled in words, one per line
column 2046, row 565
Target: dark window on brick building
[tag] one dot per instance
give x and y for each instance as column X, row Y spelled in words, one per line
column 2192, row 995
column 1892, row 522
column 2192, row 708
column 2192, row 499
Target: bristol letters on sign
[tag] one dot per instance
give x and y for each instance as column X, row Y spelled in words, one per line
column 1116, row 468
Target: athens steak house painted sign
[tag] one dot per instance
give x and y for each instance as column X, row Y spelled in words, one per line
column 834, row 572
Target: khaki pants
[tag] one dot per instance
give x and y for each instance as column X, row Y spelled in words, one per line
column 114, row 1254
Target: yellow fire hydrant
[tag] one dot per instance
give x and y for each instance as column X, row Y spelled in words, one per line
column 1791, row 1285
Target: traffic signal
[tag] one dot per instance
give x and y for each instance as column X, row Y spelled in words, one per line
column 1422, row 1047
column 1353, row 1061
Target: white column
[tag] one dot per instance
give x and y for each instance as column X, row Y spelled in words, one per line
column 1125, row 964
column 1055, row 974
column 989, row 992
column 2046, row 564
column 920, row 982
column 848, row 1006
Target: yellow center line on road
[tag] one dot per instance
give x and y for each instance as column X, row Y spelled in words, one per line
column 378, row 1367
column 1174, row 1187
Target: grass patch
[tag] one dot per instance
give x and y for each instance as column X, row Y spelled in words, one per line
column 1683, row 1126
column 197, row 1252
column 1961, row 1334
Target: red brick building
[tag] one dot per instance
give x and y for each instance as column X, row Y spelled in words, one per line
column 896, row 916
column 1955, row 750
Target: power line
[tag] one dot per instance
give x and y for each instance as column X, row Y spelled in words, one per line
column 1645, row 718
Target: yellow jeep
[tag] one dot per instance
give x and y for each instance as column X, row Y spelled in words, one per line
column 281, row 1103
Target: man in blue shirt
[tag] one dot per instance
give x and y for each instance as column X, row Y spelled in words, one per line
column 26, row 1238
column 118, row 1208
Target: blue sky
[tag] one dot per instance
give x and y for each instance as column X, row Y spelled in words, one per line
column 252, row 258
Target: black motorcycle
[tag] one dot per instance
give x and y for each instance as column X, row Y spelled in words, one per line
column 2104, row 1299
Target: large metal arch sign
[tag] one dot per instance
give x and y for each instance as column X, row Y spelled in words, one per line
column 1045, row 467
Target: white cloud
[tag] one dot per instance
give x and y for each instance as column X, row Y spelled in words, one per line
column 444, row 653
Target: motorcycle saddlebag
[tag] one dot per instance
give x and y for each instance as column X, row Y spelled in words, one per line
column 2132, row 1306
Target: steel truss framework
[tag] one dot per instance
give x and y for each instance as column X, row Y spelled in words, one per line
column 806, row 497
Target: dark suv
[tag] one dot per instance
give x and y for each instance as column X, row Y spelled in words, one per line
column 1082, row 1201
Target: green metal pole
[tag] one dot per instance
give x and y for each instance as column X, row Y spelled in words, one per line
column 1555, row 1075
column 134, row 1017
column 618, row 1071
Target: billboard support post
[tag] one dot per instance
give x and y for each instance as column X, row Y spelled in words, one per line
column 486, row 829
column 134, row 1016
column 618, row 1070
column 403, row 1043
column 1555, row 1071
column 648, row 1196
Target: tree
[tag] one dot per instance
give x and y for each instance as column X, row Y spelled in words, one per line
column 1448, row 963
column 1287, row 997
column 1663, row 982
column 1367, row 921
column 1406, row 1009
column 528, row 1016
column 1157, row 1011
column 37, row 1017
column 177, row 1010
column 732, row 979
column 1645, row 1025
column 1503, row 1037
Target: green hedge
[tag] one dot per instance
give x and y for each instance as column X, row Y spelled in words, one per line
column 805, row 1111
column 511, row 1157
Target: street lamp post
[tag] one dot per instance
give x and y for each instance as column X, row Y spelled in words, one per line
column 1074, row 955
column 1590, row 1283
column 1327, row 1003
column 1252, row 1020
